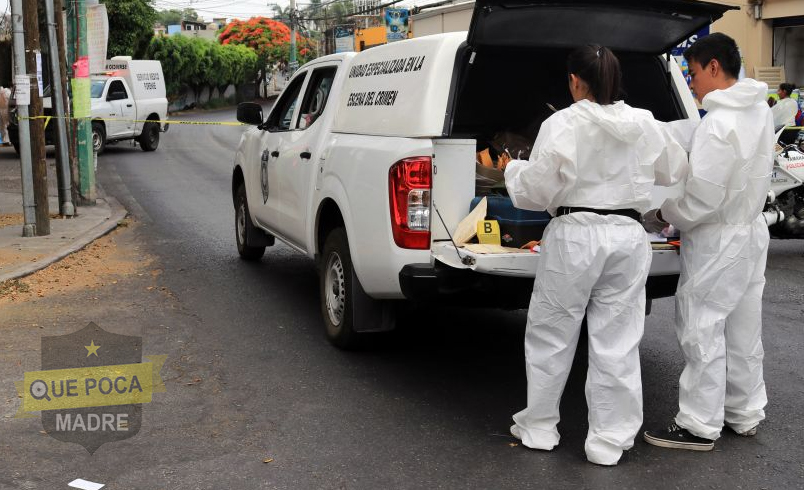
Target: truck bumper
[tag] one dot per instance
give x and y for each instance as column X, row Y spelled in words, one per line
column 448, row 285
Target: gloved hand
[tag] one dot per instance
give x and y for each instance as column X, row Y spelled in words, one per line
column 652, row 221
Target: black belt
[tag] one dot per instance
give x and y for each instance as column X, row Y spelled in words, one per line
column 630, row 213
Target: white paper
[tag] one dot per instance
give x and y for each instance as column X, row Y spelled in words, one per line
column 39, row 73
column 22, row 89
column 85, row 485
column 467, row 228
column 97, row 37
column 656, row 238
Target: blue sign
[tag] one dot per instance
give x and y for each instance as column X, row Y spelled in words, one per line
column 396, row 24
column 679, row 50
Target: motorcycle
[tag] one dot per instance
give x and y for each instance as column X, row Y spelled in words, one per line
column 784, row 208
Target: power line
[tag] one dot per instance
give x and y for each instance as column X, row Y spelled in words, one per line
column 361, row 12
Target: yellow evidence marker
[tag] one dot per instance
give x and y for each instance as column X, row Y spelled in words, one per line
column 488, row 232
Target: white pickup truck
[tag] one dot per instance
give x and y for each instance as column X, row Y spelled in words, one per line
column 366, row 162
column 127, row 103
column 125, row 99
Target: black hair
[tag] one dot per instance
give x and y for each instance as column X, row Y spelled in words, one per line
column 787, row 87
column 716, row 46
column 600, row 69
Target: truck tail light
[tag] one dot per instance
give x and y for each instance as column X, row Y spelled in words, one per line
column 410, row 182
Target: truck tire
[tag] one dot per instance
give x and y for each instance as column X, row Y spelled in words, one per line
column 149, row 139
column 243, row 227
column 337, row 290
column 98, row 137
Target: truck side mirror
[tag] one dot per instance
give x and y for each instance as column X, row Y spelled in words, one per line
column 249, row 113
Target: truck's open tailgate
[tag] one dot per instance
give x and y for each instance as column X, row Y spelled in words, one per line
column 665, row 262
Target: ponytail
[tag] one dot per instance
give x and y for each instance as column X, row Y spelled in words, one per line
column 600, row 69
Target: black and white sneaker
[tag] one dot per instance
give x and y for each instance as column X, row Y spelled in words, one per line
column 676, row 437
column 749, row 433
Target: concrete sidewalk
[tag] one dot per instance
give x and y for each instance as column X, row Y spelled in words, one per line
column 23, row 256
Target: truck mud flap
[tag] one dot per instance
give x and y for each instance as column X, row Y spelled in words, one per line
column 369, row 314
column 257, row 237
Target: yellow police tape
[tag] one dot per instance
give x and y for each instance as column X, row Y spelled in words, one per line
column 161, row 121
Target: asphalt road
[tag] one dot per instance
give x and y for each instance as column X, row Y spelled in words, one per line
column 428, row 408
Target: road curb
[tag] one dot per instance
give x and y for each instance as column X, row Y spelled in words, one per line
column 118, row 213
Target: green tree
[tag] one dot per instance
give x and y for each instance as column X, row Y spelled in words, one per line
column 170, row 17
column 196, row 63
column 189, row 14
column 199, row 71
column 281, row 14
column 234, row 64
column 131, row 27
column 324, row 15
column 338, row 11
column 168, row 50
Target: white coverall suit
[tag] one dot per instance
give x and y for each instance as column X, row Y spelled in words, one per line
column 784, row 113
column 724, row 248
column 603, row 157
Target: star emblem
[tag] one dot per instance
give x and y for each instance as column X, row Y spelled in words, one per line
column 92, row 349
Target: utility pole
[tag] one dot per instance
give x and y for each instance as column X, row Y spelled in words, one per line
column 292, row 64
column 326, row 37
column 68, row 123
column 78, row 53
column 28, row 201
column 33, row 58
column 66, row 207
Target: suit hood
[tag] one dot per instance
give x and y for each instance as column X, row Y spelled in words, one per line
column 618, row 119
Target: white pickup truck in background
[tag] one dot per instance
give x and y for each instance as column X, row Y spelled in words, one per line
column 127, row 102
column 125, row 99
column 366, row 162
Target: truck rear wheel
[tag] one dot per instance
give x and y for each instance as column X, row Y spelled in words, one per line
column 98, row 138
column 149, row 139
column 243, row 227
column 337, row 288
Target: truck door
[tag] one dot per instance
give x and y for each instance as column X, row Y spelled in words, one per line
column 300, row 153
column 121, row 114
column 265, row 185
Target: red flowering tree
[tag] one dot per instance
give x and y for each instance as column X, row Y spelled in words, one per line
column 269, row 38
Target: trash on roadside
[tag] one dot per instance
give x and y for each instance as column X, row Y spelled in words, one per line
column 85, row 485
column 268, row 460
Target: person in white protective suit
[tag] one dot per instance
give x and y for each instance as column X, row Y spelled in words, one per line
column 784, row 112
column 593, row 167
column 724, row 247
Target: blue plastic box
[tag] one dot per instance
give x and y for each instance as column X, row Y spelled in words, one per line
column 517, row 226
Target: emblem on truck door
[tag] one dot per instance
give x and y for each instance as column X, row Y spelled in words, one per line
column 264, row 175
